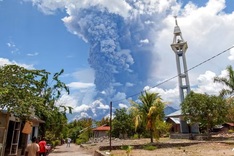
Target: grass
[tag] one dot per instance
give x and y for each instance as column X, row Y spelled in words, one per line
column 149, row 147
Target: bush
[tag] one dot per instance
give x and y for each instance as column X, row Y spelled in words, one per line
column 53, row 143
column 57, row 142
column 149, row 147
column 79, row 141
column 127, row 148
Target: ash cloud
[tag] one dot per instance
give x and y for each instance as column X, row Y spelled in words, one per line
column 117, row 53
column 122, row 36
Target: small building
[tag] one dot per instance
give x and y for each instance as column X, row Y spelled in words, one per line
column 102, row 131
column 15, row 134
column 175, row 124
column 176, row 118
column 228, row 126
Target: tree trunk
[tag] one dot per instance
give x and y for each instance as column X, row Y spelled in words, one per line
column 151, row 136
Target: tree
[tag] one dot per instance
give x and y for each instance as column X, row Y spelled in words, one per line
column 51, row 91
column 24, row 92
column 19, row 91
column 227, row 81
column 80, row 130
column 149, row 112
column 230, row 112
column 228, row 91
column 122, row 123
column 207, row 110
column 104, row 121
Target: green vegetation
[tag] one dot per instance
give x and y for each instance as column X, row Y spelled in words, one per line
column 149, row 114
column 122, row 124
column 149, row 147
column 127, row 148
column 228, row 91
column 204, row 109
column 227, row 81
column 25, row 92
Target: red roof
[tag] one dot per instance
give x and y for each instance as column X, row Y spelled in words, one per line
column 102, row 128
column 230, row 124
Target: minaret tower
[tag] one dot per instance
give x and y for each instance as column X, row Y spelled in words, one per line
column 179, row 46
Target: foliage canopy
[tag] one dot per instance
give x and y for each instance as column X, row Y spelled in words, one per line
column 207, row 110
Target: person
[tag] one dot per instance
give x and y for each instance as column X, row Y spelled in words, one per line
column 42, row 145
column 32, row 149
column 68, row 142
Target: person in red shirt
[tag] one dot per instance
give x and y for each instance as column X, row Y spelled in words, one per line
column 42, row 145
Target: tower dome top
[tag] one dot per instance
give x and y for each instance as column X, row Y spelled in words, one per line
column 177, row 28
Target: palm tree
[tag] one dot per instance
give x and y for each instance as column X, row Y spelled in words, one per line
column 227, row 81
column 148, row 112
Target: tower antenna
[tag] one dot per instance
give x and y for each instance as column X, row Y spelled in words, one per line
column 176, row 20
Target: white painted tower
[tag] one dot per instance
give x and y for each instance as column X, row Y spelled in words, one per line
column 179, row 46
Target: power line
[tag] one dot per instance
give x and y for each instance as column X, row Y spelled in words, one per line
column 169, row 79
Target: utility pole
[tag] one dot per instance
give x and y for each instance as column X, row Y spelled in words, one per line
column 110, row 124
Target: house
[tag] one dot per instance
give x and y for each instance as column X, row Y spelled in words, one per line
column 15, row 134
column 176, row 119
column 175, row 124
column 228, row 126
column 101, row 131
column 179, row 125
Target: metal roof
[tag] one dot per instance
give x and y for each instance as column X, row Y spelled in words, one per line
column 175, row 114
column 175, row 120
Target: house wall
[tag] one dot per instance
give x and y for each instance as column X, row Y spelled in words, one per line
column 3, row 131
column 98, row 134
column 5, row 138
column 175, row 127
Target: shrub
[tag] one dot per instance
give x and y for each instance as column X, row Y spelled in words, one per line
column 79, row 141
column 230, row 131
column 127, row 148
column 57, row 142
column 149, row 147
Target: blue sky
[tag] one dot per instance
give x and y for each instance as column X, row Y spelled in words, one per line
column 112, row 50
column 31, row 37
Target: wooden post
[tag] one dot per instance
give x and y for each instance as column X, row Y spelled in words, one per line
column 110, row 124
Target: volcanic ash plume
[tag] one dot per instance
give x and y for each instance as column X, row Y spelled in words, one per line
column 120, row 48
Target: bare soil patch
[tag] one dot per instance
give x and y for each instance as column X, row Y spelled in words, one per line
column 218, row 146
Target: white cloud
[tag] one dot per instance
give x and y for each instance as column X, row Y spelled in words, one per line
column 84, row 75
column 102, row 106
column 4, row 61
column 144, row 41
column 33, row 54
column 78, row 85
column 82, row 115
column 121, row 105
column 81, row 108
column 10, row 44
column 206, row 84
column 12, row 47
column 67, row 100
column 128, row 84
column 231, row 57
column 170, row 96
column 114, row 6
column 207, row 30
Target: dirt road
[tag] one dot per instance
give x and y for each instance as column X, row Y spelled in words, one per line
column 63, row 150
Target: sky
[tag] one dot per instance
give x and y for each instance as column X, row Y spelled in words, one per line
column 113, row 50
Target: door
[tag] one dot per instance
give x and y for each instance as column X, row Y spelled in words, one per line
column 15, row 138
column 3, row 132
